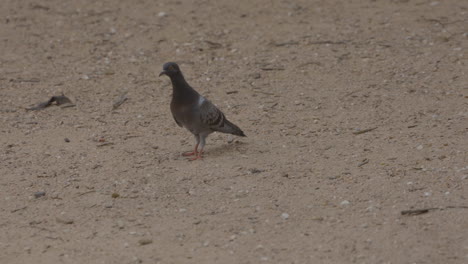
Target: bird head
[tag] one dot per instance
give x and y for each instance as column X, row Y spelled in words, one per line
column 170, row 69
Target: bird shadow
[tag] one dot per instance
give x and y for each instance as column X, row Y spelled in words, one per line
column 226, row 148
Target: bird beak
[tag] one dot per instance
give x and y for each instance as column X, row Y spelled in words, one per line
column 162, row 73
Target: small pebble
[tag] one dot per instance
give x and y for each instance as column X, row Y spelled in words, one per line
column 145, row 241
column 419, row 147
column 63, row 220
column 39, row 194
column 345, row 202
column 255, row 170
column 285, row 216
column 162, row 14
column 66, row 140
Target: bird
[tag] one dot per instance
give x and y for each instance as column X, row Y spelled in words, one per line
column 194, row 112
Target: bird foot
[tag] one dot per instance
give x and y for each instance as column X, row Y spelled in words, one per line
column 196, row 158
column 190, row 153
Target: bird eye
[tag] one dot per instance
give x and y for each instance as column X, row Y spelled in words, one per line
column 171, row 68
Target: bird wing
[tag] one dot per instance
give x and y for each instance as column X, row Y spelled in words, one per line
column 214, row 119
column 211, row 116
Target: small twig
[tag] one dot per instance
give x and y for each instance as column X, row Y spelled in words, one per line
column 81, row 194
column 38, row 6
column 105, row 144
column 321, row 42
column 21, row 80
column 267, row 93
column 456, row 207
column 364, row 131
column 130, row 136
column 351, row 93
column 53, row 238
column 213, row 45
column 385, row 45
column 309, row 63
column 443, row 24
column 364, row 162
column 61, row 100
column 46, row 176
column 18, row 209
column 232, row 92
column 272, row 69
column 426, row 210
column 417, row 211
column 287, row 43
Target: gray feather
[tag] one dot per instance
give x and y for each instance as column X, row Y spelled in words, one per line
column 215, row 120
column 175, row 119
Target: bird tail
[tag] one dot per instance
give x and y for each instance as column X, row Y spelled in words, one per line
column 232, row 129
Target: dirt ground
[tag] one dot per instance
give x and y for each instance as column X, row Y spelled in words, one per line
column 354, row 112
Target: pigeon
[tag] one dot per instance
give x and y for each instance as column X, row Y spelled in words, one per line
column 194, row 112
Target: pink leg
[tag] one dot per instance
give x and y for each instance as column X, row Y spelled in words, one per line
column 198, row 156
column 202, row 146
column 191, row 153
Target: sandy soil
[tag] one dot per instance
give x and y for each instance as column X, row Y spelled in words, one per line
column 301, row 78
